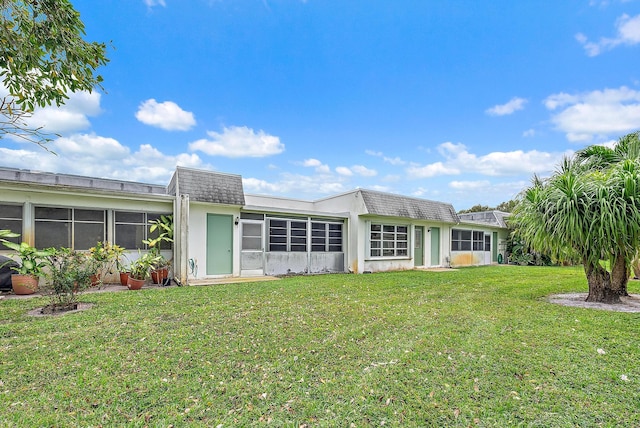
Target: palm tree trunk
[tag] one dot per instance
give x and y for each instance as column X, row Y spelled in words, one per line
column 620, row 275
column 599, row 280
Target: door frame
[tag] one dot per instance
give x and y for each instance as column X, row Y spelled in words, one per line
column 216, row 264
column 418, row 246
column 435, row 246
column 252, row 272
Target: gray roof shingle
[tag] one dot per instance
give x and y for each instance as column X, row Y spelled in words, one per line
column 390, row 205
column 493, row 218
column 207, row 186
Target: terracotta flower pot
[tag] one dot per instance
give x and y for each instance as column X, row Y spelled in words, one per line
column 124, row 276
column 159, row 276
column 95, row 280
column 24, row 284
column 135, row 284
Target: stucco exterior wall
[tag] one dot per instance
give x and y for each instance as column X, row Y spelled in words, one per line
column 197, row 248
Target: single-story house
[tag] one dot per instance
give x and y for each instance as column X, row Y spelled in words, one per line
column 220, row 231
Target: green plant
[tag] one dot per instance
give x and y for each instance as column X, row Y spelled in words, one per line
column 164, row 227
column 68, row 273
column 141, row 267
column 5, row 233
column 32, row 260
column 107, row 257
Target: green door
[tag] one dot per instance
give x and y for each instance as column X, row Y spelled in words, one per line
column 219, row 244
column 435, row 246
column 418, row 246
column 494, row 247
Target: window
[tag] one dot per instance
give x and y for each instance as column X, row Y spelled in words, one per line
column 252, row 236
column 75, row 228
column 465, row 240
column 287, row 235
column 460, row 240
column 132, row 227
column 326, row 237
column 11, row 219
column 478, row 240
column 389, row 240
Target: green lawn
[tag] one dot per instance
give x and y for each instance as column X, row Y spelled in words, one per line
column 472, row 347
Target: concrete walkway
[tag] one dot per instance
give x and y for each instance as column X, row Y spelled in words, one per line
column 108, row 288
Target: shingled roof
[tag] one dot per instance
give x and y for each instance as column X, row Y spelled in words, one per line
column 390, row 205
column 207, row 186
column 493, row 218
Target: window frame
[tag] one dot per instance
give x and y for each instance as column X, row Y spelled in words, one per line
column 292, row 237
column 6, row 221
column 389, row 240
column 330, row 240
column 72, row 223
column 473, row 240
column 146, row 217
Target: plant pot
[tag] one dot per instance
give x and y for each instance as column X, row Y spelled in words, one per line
column 159, row 276
column 95, row 280
column 135, row 284
column 24, row 284
column 124, row 277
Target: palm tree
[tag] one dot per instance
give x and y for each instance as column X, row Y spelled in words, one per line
column 590, row 208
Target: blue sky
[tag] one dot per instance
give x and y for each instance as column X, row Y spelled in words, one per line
column 453, row 100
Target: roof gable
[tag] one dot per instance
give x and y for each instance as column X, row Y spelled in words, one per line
column 390, row 205
column 207, row 186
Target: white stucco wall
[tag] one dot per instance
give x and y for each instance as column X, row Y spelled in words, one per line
column 197, row 248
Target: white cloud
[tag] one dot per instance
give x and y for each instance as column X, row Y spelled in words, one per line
column 513, row 105
column 254, row 185
column 431, row 170
column 469, row 185
column 343, row 170
column 464, row 194
column 96, row 156
column 167, row 115
column 152, row 3
column 70, row 117
column 296, row 184
column 238, row 141
column 90, row 147
column 311, row 162
column 360, row 170
column 319, row 166
column 458, row 160
column 628, row 33
column 364, row 171
column 393, row 161
column 596, row 113
column 529, row 133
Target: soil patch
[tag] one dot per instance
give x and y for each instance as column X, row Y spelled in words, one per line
column 47, row 311
column 629, row 303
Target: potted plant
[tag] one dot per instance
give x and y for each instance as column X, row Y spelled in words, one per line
column 68, row 273
column 122, row 269
column 139, row 270
column 164, row 227
column 31, row 268
column 160, row 269
column 99, row 255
